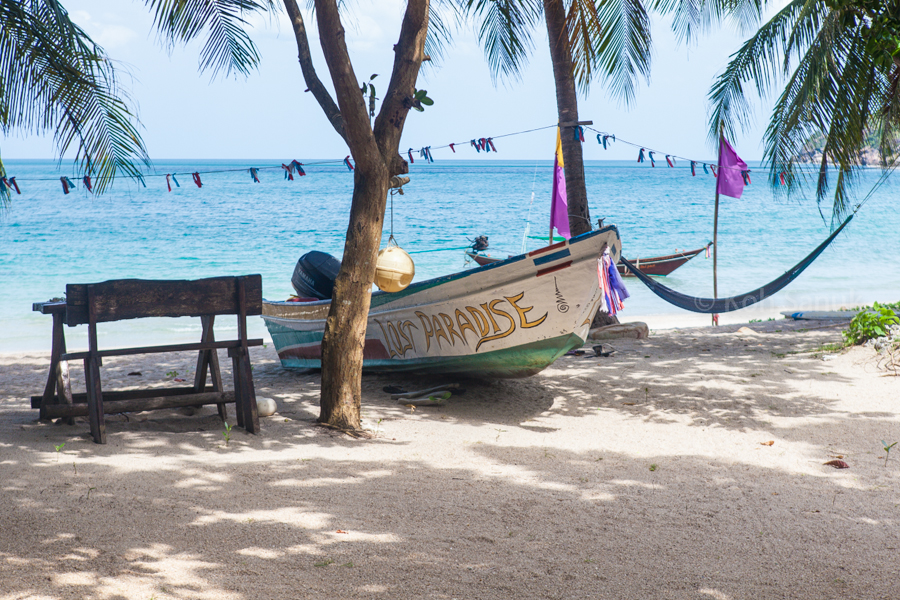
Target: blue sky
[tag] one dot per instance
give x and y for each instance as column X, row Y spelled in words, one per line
column 187, row 114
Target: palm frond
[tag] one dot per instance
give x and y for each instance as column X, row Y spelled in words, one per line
column 443, row 19
column 837, row 91
column 621, row 50
column 506, row 30
column 54, row 78
column 758, row 60
column 228, row 48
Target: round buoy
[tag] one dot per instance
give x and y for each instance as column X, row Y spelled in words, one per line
column 394, row 269
column 265, row 407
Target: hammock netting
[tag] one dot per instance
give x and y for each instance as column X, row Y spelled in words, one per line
column 722, row 305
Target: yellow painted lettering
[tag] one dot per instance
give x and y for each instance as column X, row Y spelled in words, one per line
column 487, row 311
column 480, row 321
column 426, row 327
column 439, row 331
column 523, row 320
column 411, row 338
column 450, row 331
column 460, row 317
column 492, row 307
column 387, row 339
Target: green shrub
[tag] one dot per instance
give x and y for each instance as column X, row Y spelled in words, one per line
column 871, row 323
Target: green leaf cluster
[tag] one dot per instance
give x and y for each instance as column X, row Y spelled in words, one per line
column 54, row 78
column 836, row 63
column 872, row 323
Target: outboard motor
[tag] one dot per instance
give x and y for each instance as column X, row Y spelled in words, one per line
column 314, row 275
column 480, row 243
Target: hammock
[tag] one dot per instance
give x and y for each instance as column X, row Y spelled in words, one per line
column 722, row 305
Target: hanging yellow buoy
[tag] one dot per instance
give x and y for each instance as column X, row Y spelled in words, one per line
column 394, row 269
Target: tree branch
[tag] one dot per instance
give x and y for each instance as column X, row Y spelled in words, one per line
column 408, row 55
column 319, row 91
column 357, row 127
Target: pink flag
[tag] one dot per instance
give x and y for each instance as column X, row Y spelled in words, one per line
column 730, row 181
column 559, row 208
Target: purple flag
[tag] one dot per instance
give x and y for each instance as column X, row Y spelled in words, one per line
column 730, row 181
column 559, row 208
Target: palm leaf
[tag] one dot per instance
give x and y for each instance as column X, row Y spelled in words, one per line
column 54, row 78
column 758, row 60
column 228, row 48
column 506, row 30
column 621, row 47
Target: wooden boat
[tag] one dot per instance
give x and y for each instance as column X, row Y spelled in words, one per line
column 657, row 265
column 511, row 318
column 661, row 265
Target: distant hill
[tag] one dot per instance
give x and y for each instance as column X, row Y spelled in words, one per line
column 813, row 151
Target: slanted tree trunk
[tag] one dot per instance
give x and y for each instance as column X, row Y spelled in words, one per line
column 375, row 152
column 567, row 107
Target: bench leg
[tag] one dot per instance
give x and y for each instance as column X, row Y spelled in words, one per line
column 209, row 359
column 238, row 388
column 248, row 395
column 64, row 387
column 245, row 395
column 95, row 399
column 58, row 377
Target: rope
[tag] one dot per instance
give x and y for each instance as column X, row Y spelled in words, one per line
column 438, row 250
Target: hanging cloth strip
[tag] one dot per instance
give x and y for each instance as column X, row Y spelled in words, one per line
column 579, row 133
column 670, row 160
column 722, row 305
column 693, row 169
column 452, row 148
column 254, row 173
column 348, row 163
column 409, row 154
column 490, row 142
column 67, row 184
column 652, row 160
column 196, row 177
column 11, row 184
column 288, row 171
column 475, row 145
column 298, row 166
column 86, row 180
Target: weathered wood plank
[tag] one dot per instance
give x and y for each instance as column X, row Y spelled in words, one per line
column 121, row 299
column 142, row 404
column 81, row 398
column 162, row 349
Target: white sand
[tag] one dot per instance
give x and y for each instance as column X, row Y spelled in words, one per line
column 534, row 488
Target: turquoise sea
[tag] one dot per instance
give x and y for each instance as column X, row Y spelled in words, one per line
column 234, row 226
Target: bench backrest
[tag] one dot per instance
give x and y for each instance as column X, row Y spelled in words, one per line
column 137, row 298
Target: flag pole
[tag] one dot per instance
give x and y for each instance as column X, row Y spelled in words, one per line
column 715, row 317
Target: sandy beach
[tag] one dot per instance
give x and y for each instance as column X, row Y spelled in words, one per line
column 687, row 465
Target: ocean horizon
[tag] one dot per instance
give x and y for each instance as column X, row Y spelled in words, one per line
column 232, row 225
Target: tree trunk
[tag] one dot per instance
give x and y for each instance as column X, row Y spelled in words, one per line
column 377, row 160
column 567, row 107
column 345, row 329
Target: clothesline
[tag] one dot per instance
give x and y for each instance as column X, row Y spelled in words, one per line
column 483, row 144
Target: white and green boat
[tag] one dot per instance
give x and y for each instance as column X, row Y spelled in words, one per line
column 509, row 319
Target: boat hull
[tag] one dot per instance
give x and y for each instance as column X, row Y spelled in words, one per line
column 659, row 265
column 512, row 318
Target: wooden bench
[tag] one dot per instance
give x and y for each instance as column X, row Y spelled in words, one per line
column 122, row 299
